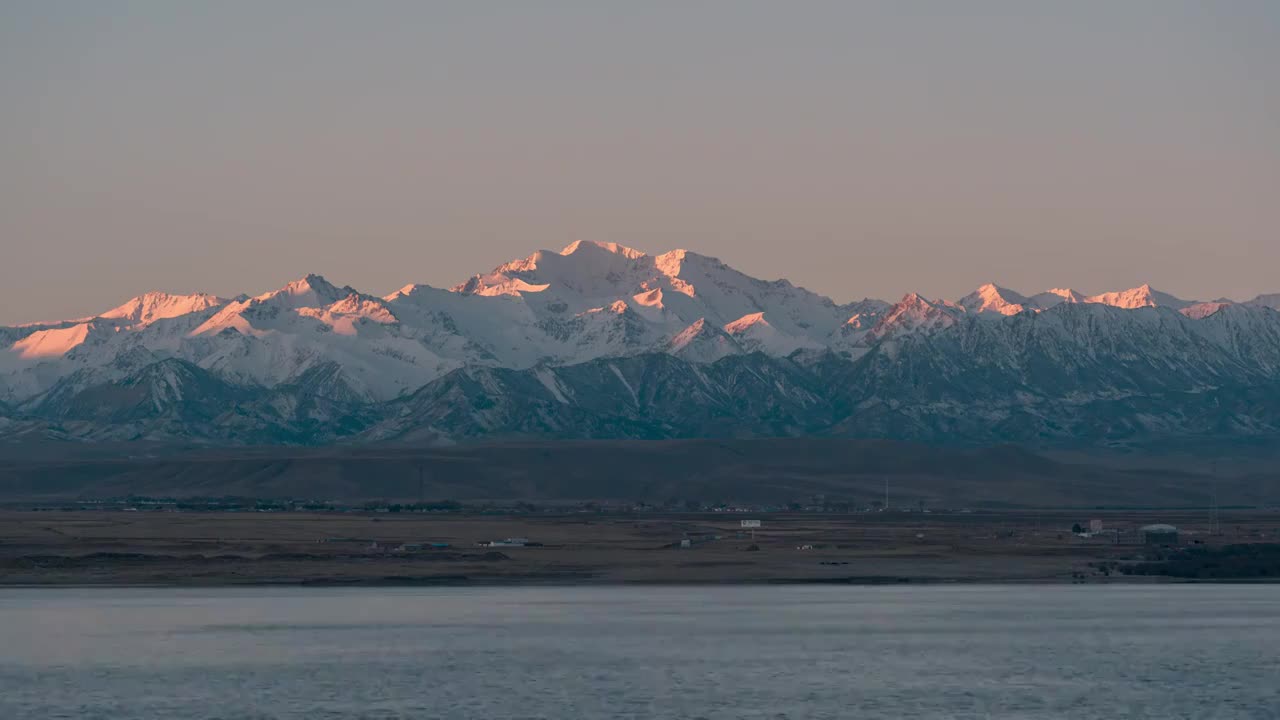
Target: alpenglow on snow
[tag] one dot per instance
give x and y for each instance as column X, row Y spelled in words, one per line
column 601, row 340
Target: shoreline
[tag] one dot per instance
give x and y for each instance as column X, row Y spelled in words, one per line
column 518, row 582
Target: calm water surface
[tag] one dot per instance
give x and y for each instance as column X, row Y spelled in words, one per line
column 745, row 652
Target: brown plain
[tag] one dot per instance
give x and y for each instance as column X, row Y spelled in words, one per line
column 173, row 548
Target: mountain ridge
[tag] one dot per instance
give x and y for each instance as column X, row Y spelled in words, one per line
column 602, row 340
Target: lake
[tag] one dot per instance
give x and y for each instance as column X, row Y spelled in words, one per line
column 1171, row 651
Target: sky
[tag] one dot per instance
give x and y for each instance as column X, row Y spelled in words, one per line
column 855, row 148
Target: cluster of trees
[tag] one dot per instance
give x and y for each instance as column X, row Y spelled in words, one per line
column 1231, row 562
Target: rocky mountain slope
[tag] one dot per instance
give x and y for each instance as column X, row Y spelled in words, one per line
column 603, row 341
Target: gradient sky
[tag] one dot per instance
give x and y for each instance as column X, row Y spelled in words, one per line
column 856, row 148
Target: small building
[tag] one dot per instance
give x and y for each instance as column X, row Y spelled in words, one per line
column 691, row 541
column 1158, row 534
column 507, row 542
column 1095, row 526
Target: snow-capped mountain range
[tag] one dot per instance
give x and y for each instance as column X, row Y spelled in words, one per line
column 600, row 340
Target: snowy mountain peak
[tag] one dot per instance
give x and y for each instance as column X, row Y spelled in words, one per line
column 495, row 284
column 1139, row 297
column 702, row 342
column 345, row 316
column 311, row 290
column 150, row 307
column 991, row 298
column 309, row 296
column 914, row 313
column 910, row 302
column 1199, row 311
column 404, row 292
column 519, row 265
column 609, row 247
column 754, row 334
column 363, row 306
column 542, row 270
column 1056, row 296
column 672, row 262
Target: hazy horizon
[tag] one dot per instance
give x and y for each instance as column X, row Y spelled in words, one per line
column 856, row 150
column 382, row 291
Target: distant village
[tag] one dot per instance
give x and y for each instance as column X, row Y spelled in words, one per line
column 1093, row 529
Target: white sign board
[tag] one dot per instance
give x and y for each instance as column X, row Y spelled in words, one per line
column 750, row 523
